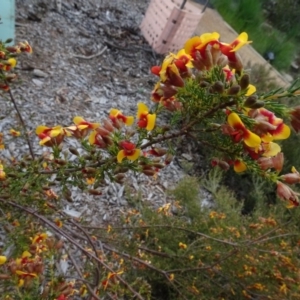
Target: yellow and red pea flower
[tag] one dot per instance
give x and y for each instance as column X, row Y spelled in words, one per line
column 230, row 50
column 58, row 222
column 8, row 64
column 182, row 245
column 277, row 129
column 128, row 151
column 14, row 132
column 197, row 44
column 81, row 127
column 145, row 119
column 241, row 132
column 95, row 138
column 51, row 136
column 110, row 277
column 116, row 114
column 25, row 47
column 90, row 180
column 169, row 73
column 39, row 238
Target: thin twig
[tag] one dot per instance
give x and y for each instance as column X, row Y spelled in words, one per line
column 97, row 277
column 22, row 122
column 91, row 56
column 90, row 289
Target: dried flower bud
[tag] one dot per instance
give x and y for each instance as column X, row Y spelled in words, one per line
column 74, row 151
column 67, row 195
column 204, row 84
column 119, row 178
column 89, row 170
column 258, row 104
column 95, row 192
column 165, row 128
column 168, row 158
column 87, row 157
column 290, row 178
column 158, row 165
column 234, row 90
column 250, row 101
column 244, row 81
column 103, row 131
column 59, row 244
column 107, row 124
column 107, row 140
column 149, row 172
column 218, row 87
column 60, row 162
column 286, row 193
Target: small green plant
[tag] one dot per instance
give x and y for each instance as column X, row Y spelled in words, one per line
column 248, row 16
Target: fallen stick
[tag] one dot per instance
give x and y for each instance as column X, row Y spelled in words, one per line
column 91, row 56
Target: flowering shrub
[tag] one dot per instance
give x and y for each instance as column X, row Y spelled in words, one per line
column 209, row 98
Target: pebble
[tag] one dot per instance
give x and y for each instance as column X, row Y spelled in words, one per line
column 39, row 73
column 37, row 82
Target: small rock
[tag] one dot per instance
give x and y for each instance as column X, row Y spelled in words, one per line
column 39, row 73
column 37, row 82
column 187, row 156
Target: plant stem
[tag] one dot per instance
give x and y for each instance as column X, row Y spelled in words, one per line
column 22, row 122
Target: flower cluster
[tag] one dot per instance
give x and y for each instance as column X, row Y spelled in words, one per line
column 252, row 128
column 8, row 61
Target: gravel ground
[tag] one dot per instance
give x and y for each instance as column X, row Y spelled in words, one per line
column 88, row 57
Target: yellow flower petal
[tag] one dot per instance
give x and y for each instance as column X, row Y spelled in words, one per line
column 240, row 41
column 267, row 138
column 81, row 127
column 129, row 120
column 3, row 259
column 44, row 140
column 26, row 254
column 114, row 112
column 12, row 62
column 77, row 120
column 283, row 134
column 239, row 166
column 121, row 155
column 92, row 137
column 191, row 43
column 271, row 149
column 251, row 139
column 234, row 120
column 251, row 90
column 40, row 129
column 142, row 109
column 55, row 131
column 135, row 155
column 151, row 121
